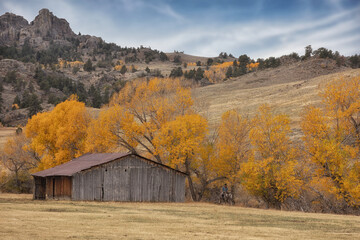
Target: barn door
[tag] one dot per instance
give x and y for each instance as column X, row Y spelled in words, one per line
column 40, row 188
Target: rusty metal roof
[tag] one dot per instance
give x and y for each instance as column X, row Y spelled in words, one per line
column 81, row 163
column 87, row 161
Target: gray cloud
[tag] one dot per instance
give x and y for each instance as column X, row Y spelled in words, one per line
column 257, row 38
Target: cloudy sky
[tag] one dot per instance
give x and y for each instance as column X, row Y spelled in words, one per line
column 259, row 28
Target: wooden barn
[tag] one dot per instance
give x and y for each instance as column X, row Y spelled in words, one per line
column 111, row 177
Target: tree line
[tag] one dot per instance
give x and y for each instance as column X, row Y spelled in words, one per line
column 155, row 118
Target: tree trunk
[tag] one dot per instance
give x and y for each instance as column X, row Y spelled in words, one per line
column 192, row 191
column 191, row 186
column 18, row 185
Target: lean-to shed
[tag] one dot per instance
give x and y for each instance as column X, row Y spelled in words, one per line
column 111, row 177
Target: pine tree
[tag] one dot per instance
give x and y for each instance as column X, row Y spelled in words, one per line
column 88, row 66
column 229, row 72
column 34, row 105
column 123, row 70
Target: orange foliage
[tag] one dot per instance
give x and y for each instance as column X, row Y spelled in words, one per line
column 331, row 138
column 233, row 145
column 65, row 64
column 252, row 66
column 59, row 135
column 270, row 171
column 179, row 140
column 141, row 109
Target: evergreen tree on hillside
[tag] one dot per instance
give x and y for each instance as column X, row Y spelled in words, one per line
column 123, row 70
column 229, row 72
column 88, row 66
column 34, row 105
column 177, row 59
column 199, row 74
column 176, row 72
column 308, row 52
column 163, row 57
column 106, row 97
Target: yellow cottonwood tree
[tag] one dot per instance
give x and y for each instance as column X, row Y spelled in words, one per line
column 203, row 167
column 217, row 72
column 179, row 141
column 270, row 172
column 341, row 98
column 233, row 146
column 59, row 135
column 147, row 107
column 332, row 141
column 111, row 131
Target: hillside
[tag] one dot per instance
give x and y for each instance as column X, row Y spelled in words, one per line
column 287, row 88
column 43, row 62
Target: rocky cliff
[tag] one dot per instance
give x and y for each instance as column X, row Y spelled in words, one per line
column 10, row 27
column 45, row 28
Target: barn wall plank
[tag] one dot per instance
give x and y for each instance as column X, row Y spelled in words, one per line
column 128, row 179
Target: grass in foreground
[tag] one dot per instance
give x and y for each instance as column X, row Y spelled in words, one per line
column 23, row 218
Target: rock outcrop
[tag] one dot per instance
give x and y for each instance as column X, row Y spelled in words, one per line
column 10, row 26
column 44, row 28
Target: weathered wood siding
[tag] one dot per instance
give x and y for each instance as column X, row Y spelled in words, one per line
column 129, row 179
column 58, row 187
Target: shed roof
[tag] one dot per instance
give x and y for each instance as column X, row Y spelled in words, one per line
column 87, row 161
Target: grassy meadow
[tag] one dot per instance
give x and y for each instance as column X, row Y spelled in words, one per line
column 23, row 218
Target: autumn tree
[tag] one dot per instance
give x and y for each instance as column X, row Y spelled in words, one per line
column 204, row 168
column 332, row 141
column 59, row 135
column 18, row 159
column 178, row 142
column 270, row 172
column 88, row 66
column 146, row 106
column 113, row 130
column 233, row 146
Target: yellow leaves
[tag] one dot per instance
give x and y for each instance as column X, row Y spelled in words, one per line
column 65, row 64
column 217, row 72
column 270, row 133
column 102, row 133
column 252, row 66
column 59, row 135
column 223, row 65
column 15, row 106
column 118, row 67
column 342, row 100
column 270, row 172
column 149, row 105
column 181, row 138
column 232, row 145
column 332, row 139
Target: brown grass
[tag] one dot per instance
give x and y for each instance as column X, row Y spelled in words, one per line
column 23, row 218
column 286, row 90
column 6, row 132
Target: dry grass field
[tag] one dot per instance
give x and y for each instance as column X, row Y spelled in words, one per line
column 23, row 218
column 6, row 132
column 287, row 89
